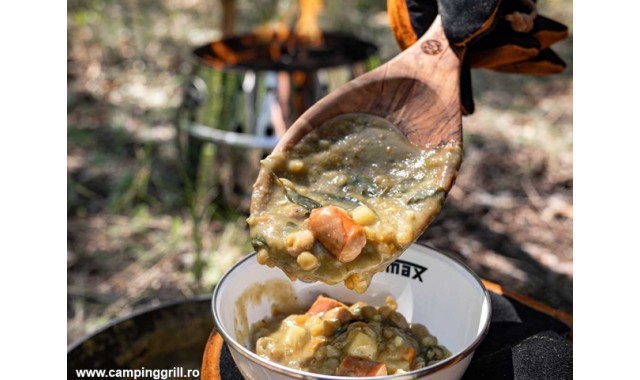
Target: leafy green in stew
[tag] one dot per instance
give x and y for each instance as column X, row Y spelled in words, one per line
column 332, row 338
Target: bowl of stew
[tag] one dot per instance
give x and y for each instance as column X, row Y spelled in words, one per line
column 421, row 318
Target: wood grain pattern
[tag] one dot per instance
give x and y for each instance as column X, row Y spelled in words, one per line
column 417, row 91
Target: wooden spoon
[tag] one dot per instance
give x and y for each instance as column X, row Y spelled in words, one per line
column 417, row 91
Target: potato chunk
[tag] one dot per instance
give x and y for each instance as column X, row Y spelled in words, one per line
column 362, row 345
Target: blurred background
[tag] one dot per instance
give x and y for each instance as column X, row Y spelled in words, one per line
column 156, row 213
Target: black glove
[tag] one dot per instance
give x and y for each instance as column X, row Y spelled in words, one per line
column 502, row 35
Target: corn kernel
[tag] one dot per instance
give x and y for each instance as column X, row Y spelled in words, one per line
column 262, row 256
column 295, row 166
column 299, row 241
column 340, row 180
column 363, row 215
column 307, row 261
column 391, row 302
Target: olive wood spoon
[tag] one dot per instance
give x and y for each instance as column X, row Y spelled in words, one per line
column 417, row 91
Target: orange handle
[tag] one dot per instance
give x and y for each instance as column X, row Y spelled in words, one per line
column 211, row 359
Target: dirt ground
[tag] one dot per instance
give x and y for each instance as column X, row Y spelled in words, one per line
column 137, row 238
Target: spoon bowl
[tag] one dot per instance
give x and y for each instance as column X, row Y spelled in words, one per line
column 387, row 189
column 418, row 91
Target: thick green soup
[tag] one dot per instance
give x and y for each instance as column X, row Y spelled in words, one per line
column 347, row 200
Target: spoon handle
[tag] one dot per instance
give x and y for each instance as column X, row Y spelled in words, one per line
column 417, row 91
column 427, row 99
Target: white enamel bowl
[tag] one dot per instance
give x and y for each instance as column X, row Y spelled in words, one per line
column 429, row 286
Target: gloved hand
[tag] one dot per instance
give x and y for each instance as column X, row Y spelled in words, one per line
column 502, row 35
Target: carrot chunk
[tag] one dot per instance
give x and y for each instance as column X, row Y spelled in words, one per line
column 409, row 354
column 323, row 304
column 353, row 366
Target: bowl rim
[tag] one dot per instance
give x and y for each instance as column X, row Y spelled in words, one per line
column 298, row 374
